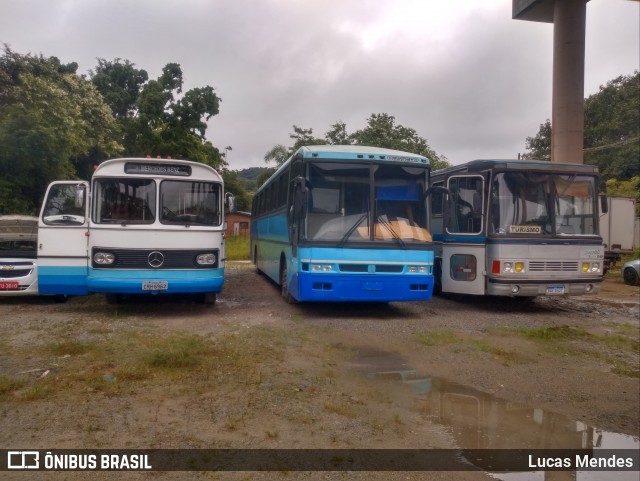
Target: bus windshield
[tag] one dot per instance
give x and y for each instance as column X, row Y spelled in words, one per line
column 345, row 200
column 125, row 201
column 526, row 203
column 189, row 203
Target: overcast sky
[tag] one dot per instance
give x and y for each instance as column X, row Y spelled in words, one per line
column 462, row 73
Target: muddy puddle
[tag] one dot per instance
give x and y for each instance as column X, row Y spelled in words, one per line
column 478, row 420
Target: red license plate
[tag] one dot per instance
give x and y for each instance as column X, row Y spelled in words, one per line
column 9, row 286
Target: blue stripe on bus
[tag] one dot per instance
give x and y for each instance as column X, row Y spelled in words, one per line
column 81, row 281
column 65, row 280
column 179, row 281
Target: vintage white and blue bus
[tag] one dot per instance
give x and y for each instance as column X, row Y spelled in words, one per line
column 517, row 228
column 345, row 223
column 141, row 226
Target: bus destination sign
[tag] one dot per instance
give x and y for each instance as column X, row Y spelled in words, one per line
column 157, row 169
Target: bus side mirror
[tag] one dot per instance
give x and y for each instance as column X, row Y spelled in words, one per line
column 299, row 198
column 604, row 204
column 230, row 201
column 79, row 197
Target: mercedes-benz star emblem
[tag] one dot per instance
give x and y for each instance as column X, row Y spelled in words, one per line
column 156, row 259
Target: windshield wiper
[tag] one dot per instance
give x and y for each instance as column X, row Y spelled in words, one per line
column 386, row 223
column 352, row 229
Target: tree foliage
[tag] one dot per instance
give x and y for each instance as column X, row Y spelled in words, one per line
column 626, row 188
column 539, row 147
column 381, row 131
column 611, row 130
column 154, row 116
column 53, row 124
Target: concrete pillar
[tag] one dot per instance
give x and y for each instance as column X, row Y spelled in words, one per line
column 567, row 138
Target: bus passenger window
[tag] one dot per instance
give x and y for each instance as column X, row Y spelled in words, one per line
column 466, row 216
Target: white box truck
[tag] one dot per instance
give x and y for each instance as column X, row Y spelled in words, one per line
column 617, row 228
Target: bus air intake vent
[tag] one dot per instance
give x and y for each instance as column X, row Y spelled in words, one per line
column 353, row 268
column 553, row 266
column 389, row 268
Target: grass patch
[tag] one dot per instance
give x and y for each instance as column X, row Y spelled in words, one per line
column 9, row 385
column 624, row 369
column 342, row 409
column 505, row 356
column 437, row 338
column 238, row 248
column 177, row 352
column 559, row 333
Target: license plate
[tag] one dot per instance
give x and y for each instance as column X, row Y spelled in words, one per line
column 9, row 286
column 555, row 290
column 155, row 286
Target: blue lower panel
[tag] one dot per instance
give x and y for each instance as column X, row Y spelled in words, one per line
column 178, row 282
column 378, row 287
column 71, row 281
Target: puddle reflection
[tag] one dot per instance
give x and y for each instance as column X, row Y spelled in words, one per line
column 478, row 420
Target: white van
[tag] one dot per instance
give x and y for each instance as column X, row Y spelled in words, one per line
column 18, row 252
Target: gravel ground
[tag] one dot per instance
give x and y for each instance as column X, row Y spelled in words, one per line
column 273, row 375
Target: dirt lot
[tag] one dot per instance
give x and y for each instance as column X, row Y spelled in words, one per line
column 254, row 372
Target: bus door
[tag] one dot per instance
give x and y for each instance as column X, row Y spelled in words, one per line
column 464, row 244
column 63, row 234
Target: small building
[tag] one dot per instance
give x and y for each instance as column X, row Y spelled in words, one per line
column 238, row 224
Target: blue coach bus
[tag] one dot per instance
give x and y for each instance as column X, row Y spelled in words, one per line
column 517, row 228
column 346, row 223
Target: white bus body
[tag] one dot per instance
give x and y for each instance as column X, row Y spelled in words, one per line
column 142, row 226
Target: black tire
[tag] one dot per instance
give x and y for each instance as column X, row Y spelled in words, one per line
column 288, row 298
column 630, row 276
column 255, row 261
column 209, row 299
column 115, row 298
column 60, row 298
column 437, row 277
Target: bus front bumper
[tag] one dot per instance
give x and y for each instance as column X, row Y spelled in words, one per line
column 367, row 288
column 155, row 282
column 543, row 287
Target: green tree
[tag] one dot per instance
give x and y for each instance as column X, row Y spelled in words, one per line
column 381, row 131
column 278, row 154
column 53, row 125
column 155, row 117
column 235, row 184
column 539, row 147
column 611, row 130
column 626, row 188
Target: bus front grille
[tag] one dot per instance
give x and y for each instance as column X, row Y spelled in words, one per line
column 553, row 266
column 148, row 258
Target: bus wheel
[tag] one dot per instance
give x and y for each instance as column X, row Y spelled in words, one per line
column 437, row 277
column 115, row 298
column 255, row 261
column 209, row 298
column 283, row 283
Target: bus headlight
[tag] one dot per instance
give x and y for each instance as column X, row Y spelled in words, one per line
column 507, row 267
column 206, row 259
column 585, row 267
column 595, row 267
column 321, row 267
column 519, row 267
column 417, row 269
column 104, row 258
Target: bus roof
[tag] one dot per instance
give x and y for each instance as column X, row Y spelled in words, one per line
column 480, row 165
column 359, row 152
column 348, row 152
column 115, row 167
